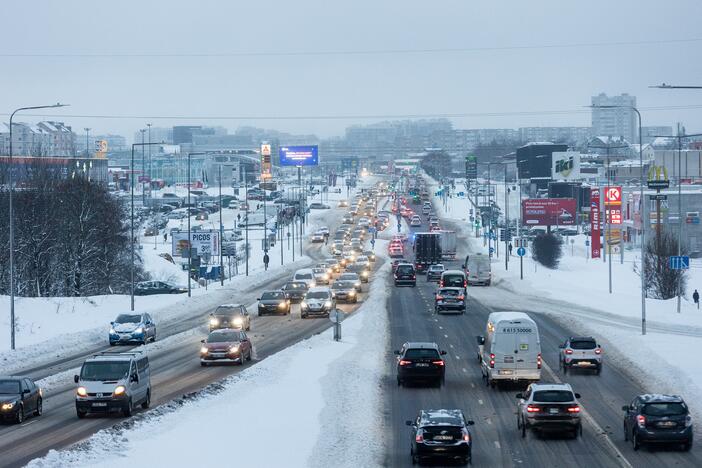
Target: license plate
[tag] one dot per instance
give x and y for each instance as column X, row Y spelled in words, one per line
column 449, row 300
column 667, row 424
column 216, row 355
column 584, row 364
column 99, row 404
column 422, row 364
column 443, row 437
column 553, row 411
column 505, row 372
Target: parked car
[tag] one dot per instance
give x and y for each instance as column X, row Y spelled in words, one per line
column 549, row 407
column 20, row 398
column 275, row 302
column 658, row 419
column 226, row 345
column 113, row 382
column 132, row 328
column 230, row 316
column 580, row 352
column 420, row 362
column 442, row 435
column 148, row 288
column 318, row 206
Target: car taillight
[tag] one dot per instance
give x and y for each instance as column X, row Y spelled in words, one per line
column 641, row 420
column 438, row 363
column 492, row 360
column 574, row 409
column 413, row 277
column 538, row 361
column 419, row 437
column 404, row 362
column 441, row 283
column 598, row 351
column 569, row 351
column 465, row 284
column 460, row 298
column 533, row 409
column 439, row 298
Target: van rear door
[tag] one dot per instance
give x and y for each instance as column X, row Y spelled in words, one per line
column 516, row 346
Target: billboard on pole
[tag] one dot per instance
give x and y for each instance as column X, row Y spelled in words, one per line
column 266, row 161
column 565, row 165
column 471, row 167
column 205, row 243
column 549, row 211
column 299, row 155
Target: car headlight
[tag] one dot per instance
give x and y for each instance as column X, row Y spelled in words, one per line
column 357, row 283
column 139, row 330
column 328, row 304
column 303, row 304
column 326, row 276
column 352, row 293
column 238, row 321
column 112, row 331
column 8, row 406
column 283, row 304
column 329, row 271
column 204, row 350
column 234, row 349
column 365, row 273
column 214, row 322
column 119, row 390
column 313, row 284
column 81, row 391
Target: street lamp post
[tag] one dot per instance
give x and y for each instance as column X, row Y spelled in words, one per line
column 149, row 126
column 87, row 140
column 12, row 222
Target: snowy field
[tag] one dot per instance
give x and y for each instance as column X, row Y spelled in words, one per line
column 51, row 328
column 577, row 295
column 298, row 396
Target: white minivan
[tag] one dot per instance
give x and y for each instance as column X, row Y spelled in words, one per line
column 510, row 350
column 307, row 276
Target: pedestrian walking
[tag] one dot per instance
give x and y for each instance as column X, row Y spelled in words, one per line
column 696, row 298
column 165, row 237
column 509, row 247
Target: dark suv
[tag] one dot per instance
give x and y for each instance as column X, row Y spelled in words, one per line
column 230, row 316
column 420, row 361
column 406, row 274
column 441, row 434
column 658, row 419
column 549, row 407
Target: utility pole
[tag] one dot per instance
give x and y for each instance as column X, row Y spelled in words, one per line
column 508, row 230
column 143, row 166
column 149, row 126
column 87, row 142
column 221, row 229
column 246, row 197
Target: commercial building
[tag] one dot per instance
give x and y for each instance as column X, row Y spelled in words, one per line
column 570, row 135
column 617, row 121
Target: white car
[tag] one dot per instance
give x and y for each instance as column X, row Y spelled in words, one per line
column 306, row 275
column 416, row 221
column 317, row 237
column 363, row 261
column 318, row 302
column 320, row 275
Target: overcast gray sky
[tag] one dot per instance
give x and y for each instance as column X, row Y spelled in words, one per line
column 509, row 81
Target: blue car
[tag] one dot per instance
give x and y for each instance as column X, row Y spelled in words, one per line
column 132, row 328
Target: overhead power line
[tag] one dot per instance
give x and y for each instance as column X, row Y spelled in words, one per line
column 350, row 116
column 439, row 50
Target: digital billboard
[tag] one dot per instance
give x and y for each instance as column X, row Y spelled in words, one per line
column 549, row 211
column 299, row 155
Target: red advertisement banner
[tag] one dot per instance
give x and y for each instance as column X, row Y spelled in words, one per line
column 549, row 211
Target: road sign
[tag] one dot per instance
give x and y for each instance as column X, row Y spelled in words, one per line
column 336, row 317
column 521, row 251
column 399, row 227
column 471, row 167
column 679, row 262
column 658, row 197
column 372, row 241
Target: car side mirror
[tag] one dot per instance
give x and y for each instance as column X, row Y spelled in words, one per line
column 443, row 353
column 76, row 378
column 258, row 298
column 112, row 323
column 625, row 408
column 135, row 378
column 480, row 340
column 409, row 423
column 25, row 391
column 202, row 341
column 577, row 395
column 561, row 346
column 519, row 395
column 396, row 352
column 470, row 422
column 463, row 266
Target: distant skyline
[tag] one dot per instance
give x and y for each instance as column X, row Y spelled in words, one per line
column 484, row 65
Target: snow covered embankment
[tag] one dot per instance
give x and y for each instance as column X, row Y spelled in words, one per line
column 318, row 399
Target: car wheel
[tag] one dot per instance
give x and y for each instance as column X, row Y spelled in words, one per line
column 626, row 434
column 598, row 371
column 248, row 357
column 40, row 408
column 19, row 417
column 399, row 382
column 565, row 368
column 81, row 414
column 413, row 457
column 112, row 343
column 147, row 401
column 634, row 441
column 127, row 410
column 524, row 429
column 203, row 364
column 687, row 446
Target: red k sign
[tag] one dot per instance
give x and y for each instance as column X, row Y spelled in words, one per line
column 613, row 195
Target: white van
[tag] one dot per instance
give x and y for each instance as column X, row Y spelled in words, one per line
column 307, row 276
column 510, row 350
column 478, row 270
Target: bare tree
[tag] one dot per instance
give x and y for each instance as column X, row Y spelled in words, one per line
column 662, row 282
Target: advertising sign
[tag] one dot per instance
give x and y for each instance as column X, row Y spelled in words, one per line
column 206, row 243
column 549, row 211
column 565, row 165
column 265, row 161
column 299, row 155
column 614, row 215
column 613, row 196
column 595, row 249
column 471, row 167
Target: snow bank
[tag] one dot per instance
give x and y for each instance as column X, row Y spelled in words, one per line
column 296, row 398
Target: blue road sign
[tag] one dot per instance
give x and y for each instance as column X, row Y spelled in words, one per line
column 679, row 262
column 521, row 251
column 372, row 241
column 492, row 250
column 399, row 227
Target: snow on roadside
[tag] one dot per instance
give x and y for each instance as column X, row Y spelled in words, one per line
column 302, row 392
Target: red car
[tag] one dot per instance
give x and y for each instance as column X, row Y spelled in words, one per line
column 225, row 345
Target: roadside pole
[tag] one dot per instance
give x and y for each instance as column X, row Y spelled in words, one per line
column 221, row 230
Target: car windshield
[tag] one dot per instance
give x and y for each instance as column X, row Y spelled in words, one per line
column 303, row 276
column 9, row 387
column 453, row 280
column 443, row 421
column 553, row 396
column 583, row 344
column 317, row 295
column 664, row 409
column 436, row 268
column 272, row 295
column 422, row 353
column 342, row 285
column 124, row 318
column 227, row 311
column 223, row 337
column 104, row 370
column 405, row 269
column 448, row 292
column 349, row 277
column 294, row 286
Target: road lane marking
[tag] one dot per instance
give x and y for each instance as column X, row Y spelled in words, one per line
column 441, row 328
column 488, row 420
column 450, row 346
column 480, row 402
column 458, row 357
column 497, row 444
column 590, row 420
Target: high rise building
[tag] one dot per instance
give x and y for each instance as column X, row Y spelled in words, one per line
column 618, row 121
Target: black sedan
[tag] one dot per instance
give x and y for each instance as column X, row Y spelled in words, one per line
column 273, row 302
column 295, row 290
column 148, row 288
column 19, row 398
column 420, row 362
column 441, row 434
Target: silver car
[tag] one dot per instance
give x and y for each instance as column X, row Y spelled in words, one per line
column 580, row 352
